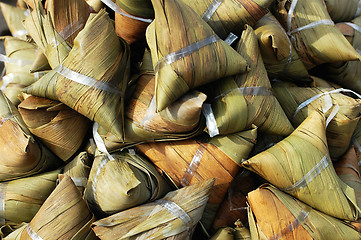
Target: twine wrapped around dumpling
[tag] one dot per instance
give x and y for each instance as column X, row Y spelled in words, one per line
column 279, row 56
column 180, row 120
column 186, row 52
column 301, row 166
column 57, row 126
column 343, row 10
column 347, row 73
column 238, row 102
column 122, row 181
column 313, row 33
column 172, row 217
column 93, row 78
column 18, row 60
column 40, row 27
column 14, row 17
column 78, row 170
column 190, row 161
column 298, row 103
column 230, row 16
column 68, row 17
column 298, row 221
column 64, row 213
column 20, row 154
column 22, row 198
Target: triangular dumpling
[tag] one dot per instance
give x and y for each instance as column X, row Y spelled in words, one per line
column 301, row 165
column 176, row 27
